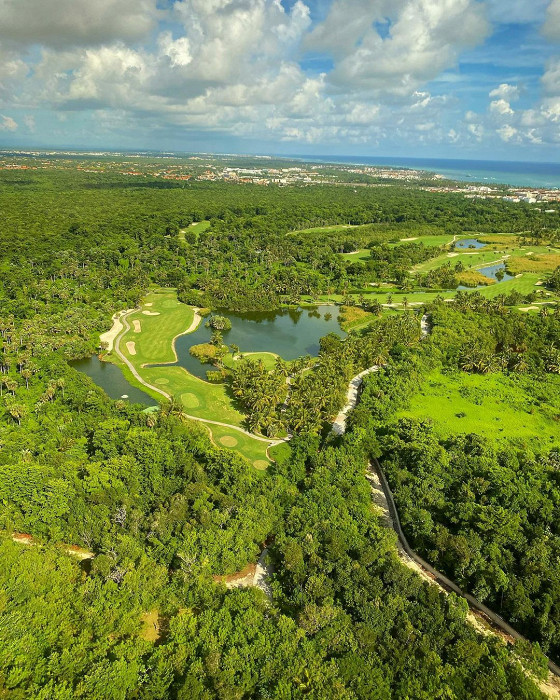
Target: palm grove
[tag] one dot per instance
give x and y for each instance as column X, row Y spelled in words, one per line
column 165, row 512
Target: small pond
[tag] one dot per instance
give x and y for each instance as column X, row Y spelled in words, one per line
column 289, row 333
column 110, row 378
column 491, row 272
column 468, row 243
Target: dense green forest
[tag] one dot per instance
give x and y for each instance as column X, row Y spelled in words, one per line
column 165, row 512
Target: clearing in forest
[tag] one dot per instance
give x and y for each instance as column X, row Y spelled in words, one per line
column 497, row 406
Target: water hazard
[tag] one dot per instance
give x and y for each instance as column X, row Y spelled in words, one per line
column 110, row 378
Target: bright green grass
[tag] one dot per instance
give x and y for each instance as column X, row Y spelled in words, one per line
column 196, row 228
column 325, row 229
column 154, row 342
column 362, row 254
column 253, row 450
column 267, row 358
column 280, row 453
column 214, row 403
column 496, row 406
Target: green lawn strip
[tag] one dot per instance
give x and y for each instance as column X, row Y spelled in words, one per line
column 525, row 284
column 468, row 259
column 494, row 405
column 357, row 255
column 114, row 359
column 253, row 450
column 428, row 241
column 154, row 342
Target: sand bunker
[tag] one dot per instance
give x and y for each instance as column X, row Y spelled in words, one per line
column 474, row 252
column 148, row 303
column 260, row 464
column 414, row 238
column 529, row 308
column 131, row 347
column 228, row 441
column 452, row 255
column 151, row 313
column 137, row 327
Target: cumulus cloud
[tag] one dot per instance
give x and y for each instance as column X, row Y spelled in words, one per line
column 551, row 26
column 395, row 46
column 7, row 123
column 59, row 23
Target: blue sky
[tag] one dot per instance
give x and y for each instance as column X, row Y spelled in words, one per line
column 445, row 78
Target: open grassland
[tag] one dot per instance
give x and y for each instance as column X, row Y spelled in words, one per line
column 494, row 405
column 540, row 263
column 153, row 328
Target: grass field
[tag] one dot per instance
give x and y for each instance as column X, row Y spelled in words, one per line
column 496, row 406
column 267, row 358
column 195, row 228
column 150, row 341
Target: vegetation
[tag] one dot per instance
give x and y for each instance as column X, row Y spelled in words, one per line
column 163, row 505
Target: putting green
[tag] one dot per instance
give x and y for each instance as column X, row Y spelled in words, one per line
column 228, row 441
column 161, row 381
column 189, row 400
column 260, row 464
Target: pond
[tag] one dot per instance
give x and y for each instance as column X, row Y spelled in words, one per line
column 468, row 243
column 491, row 272
column 289, row 333
column 110, row 378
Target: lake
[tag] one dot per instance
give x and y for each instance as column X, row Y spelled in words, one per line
column 289, row 333
column 491, row 272
column 110, row 378
column 468, row 243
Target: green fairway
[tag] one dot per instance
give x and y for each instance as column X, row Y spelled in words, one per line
column 196, row 228
column 362, row 254
column 152, row 329
column 496, row 406
column 253, row 450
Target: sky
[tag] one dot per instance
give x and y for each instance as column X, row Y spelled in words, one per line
column 409, row 78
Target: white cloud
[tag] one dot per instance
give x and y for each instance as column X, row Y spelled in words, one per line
column 58, row 23
column 424, row 38
column 7, row 123
column 501, row 107
column 506, row 92
column 507, row 132
column 551, row 26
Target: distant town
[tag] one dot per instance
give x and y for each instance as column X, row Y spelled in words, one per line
column 262, row 171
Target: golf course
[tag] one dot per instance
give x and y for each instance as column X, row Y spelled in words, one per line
column 148, row 339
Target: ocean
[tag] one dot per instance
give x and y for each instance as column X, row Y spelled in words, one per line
column 517, row 174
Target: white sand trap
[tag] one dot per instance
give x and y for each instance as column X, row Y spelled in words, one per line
column 414, row 238
column 151, row 313
column 131, row 347
column 148, row 303
column 530, row 253
column 538, row 284
column 137, row 326
column 529, row 308
column 452, row 255
column 471, row 253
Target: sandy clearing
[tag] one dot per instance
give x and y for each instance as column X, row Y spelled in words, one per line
column 414, row 238
column 137, row 326
column 151, row 313
column 131, row 347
